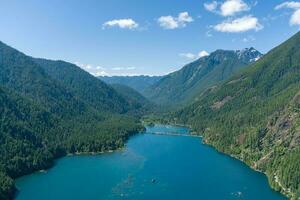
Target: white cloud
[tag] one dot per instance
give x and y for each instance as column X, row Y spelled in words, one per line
column 122, row 68
column 189, row 56
column 97, row 70
column 211, row 6
column 249, row 38
column 100, row 73
column 231, row 7
column 83, row 66
column 94, row 70
column 203, row 54
column 227, row 8
column 99, row 67
column 117, row 68
column 295, row 18
column 184, row 18
column 121, row 23
column 131, row 68
column 170, row 22
column 242, row 24
column 88, row 66
column 288, row 4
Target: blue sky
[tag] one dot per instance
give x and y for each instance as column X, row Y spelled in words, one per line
column 128, row 37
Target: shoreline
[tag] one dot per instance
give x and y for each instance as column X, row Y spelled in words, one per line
column 77, row 154
column 282, row 190
column 45, row 170
column 203, row 141
column 94, row 153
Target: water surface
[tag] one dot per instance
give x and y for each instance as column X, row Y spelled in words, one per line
column 150, row 167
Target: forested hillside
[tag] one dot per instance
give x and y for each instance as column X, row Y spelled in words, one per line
column 254, row 116
column 51, row 108
column 88, row 88
column 139, row 83
column 135, row 99
column 184, row 85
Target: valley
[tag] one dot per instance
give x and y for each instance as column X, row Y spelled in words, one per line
column 240, row 102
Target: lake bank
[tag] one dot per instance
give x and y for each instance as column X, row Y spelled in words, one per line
column 182, row 167
column 282, row 189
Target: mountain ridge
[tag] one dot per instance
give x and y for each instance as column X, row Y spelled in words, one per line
column 183, row 85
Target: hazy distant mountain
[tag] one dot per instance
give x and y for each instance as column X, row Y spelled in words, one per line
column 255, row 116
column 184, row 85
column 139, row 83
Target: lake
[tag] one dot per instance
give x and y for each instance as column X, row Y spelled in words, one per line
column 150, row 167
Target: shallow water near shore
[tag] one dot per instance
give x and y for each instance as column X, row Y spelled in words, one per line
column 149, row 167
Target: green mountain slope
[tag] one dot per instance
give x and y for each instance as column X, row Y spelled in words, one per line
column 134, row 98
column 21, row 147
column 255, row 116
column 184, row 85
column 51, row 108
column 21, row 74
column 85, row 86
column 139, row 83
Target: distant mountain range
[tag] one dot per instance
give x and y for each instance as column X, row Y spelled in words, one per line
column 51, row 108
column 139, row 83
column 185, row 84
column 255, row 115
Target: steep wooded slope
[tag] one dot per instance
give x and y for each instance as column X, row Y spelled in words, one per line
column 255, row 116
column 88, row 88
column 184, row 85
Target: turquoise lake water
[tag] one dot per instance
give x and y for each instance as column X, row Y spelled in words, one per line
column 150, row 167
